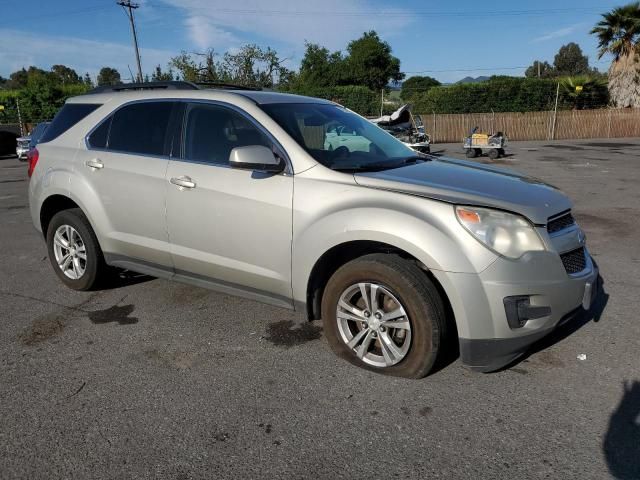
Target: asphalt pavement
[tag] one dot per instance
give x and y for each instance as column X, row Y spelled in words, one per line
column 154, row 379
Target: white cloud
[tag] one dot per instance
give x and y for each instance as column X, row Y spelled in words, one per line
column 203, row 34
column 331, row 23
column 562, row 32
column 22, row 49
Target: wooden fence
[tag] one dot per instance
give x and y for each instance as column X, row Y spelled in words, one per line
column 569, row 124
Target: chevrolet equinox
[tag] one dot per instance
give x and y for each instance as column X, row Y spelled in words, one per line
column 240, row 191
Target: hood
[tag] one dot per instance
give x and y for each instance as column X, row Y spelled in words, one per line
column 401, row 115
column 470, row 183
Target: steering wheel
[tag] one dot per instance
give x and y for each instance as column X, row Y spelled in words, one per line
column 341, row 152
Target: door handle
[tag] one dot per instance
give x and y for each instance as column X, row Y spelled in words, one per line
column 183, row 182
column 94, row 163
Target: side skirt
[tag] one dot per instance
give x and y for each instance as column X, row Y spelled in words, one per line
column 159, row 271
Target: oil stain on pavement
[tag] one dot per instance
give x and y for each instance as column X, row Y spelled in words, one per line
column 283, row 334
column 114, row 314
column 43, row 328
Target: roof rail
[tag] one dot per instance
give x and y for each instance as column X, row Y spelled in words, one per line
column 175, row 85
column 226, row 86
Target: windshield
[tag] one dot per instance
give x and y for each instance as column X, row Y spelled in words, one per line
column 338, row 138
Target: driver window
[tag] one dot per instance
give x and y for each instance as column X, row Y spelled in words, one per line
column 213, row 131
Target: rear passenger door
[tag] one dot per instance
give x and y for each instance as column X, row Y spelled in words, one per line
column 228, row 226
column 126, row 162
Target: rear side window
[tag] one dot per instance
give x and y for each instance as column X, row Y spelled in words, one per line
column 140, row 128
column 213, row 131
column 67, row 117
column 98, row 138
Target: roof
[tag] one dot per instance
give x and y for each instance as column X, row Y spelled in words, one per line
column 177, row 90
column 263, row 98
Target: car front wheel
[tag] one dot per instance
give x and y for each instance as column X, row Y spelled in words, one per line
column 382, row 313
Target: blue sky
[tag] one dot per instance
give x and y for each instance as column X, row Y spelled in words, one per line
column 444, row 39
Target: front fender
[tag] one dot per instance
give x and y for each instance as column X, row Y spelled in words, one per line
column 328, row 214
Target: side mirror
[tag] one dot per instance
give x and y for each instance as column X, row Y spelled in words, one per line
column 255, row 157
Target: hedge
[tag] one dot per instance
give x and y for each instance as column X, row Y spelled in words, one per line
column 357, row 98
column 502, row 94
column 36, row 104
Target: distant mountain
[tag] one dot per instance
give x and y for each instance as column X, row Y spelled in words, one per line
column 473, row 80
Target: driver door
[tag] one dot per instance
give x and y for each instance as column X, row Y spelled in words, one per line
column 229, row 228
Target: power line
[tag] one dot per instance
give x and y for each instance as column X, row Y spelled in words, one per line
column 393, row 13
column 126, row 4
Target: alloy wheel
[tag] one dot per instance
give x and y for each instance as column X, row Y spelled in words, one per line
column 374, row 324
column 70, row 251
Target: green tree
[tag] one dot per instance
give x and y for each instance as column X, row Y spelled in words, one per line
column 321, row 68
column 417, row 85
column 570, row 61
column 583, row 91
column 618, row 34
column 544, row 68
column 65, row 75
column 370, row 62
column 108, row 76
column 20, row 78
column 159, row 76
column 87, row 80
column 254, row 66
column 196, row 67
column 251, row 65
column 41, row 98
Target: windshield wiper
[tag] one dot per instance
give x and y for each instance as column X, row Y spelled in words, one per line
column 378, row 166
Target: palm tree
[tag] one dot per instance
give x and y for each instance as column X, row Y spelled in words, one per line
column 618, row 34
column 584, row 91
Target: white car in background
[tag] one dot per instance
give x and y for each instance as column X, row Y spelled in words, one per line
column 342, row 136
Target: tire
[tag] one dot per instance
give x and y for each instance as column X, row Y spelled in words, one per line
column 95, row 268
column 494, row 154
column 471, row 153
column 400, row 284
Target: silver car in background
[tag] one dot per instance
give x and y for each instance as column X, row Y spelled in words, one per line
column 24, row 144
column 22, row 147
column 248, row 193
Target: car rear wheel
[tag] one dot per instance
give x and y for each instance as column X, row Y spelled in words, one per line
column 494, row 153
column 471, row 153
column 74, row 251
column 382, row 313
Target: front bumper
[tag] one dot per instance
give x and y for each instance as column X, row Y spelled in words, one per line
column 487, row 342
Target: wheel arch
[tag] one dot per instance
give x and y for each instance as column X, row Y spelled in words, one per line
column 53, row 204
column 344, row 252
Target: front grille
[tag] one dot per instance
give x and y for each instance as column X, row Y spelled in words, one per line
column 574, row 261
column 560, row 223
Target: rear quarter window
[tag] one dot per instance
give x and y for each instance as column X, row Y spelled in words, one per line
column 99, row 136
column 67, row 117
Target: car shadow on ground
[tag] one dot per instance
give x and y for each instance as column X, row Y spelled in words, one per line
column 621, row 445
column 124, row 278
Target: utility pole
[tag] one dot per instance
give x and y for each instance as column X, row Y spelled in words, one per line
column 538, row 69
column 130, row 7
column 555, row 114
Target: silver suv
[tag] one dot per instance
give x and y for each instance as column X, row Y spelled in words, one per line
column 241, row 192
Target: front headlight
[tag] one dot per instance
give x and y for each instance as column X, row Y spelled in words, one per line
column 505, row 233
